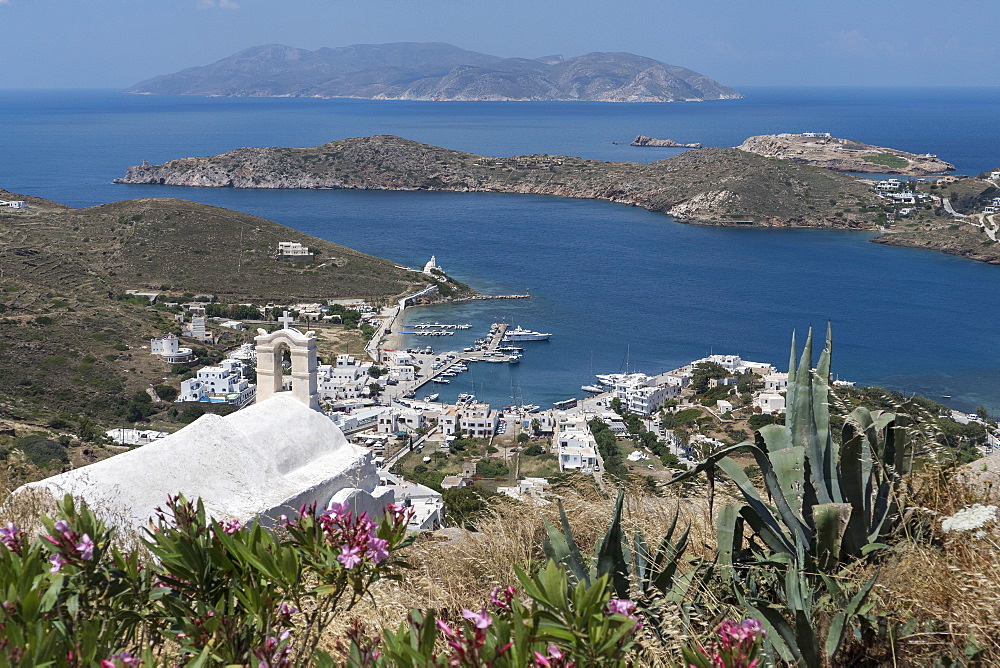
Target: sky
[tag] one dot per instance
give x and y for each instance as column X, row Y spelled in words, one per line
column 115, row 43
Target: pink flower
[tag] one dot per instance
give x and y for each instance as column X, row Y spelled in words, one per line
column 57, row 563
column 378, row 549
column 445, row 628
column 62, row 526
column 621, row 607
column 349, row 556
column 11, row 536
column 85, row 547
column 481, row 619
column 231, row 527
column 502, row 598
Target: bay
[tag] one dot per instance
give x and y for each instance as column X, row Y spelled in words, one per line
column 615, row 285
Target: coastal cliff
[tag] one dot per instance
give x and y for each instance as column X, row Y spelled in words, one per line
column 710, row 186
column 643, row 140
column 844, row 155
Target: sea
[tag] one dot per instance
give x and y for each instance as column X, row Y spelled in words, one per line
column 619, row 288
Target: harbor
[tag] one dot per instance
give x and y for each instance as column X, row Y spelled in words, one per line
column 438, row 369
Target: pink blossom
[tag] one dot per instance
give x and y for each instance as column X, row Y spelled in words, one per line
column 481, row 619
column 338, row 509
column 57, row 563
column 231, row 527
column 349, row 556
column 502, row 598
column 621, row 607
column 62, row 526
column 11, row 536
column 85, row 547
column 378, row 549
column 445, row 628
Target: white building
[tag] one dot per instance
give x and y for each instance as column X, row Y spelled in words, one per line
column 643, row 394
column 169, row 348
column 478, row 421
column 124, row 436
column 576, row 446
column 197, row 329
column 13, row 204
column 770, row 402
column 402, row 373
column 426, row 504
column 232, row 324
column 293, row 249
column 722, row 407
column 432, row 268
column 888, row 185
column 994, row 176
column 776, row 382
column 219, row 384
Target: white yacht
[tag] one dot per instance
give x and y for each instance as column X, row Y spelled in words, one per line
column 521, row 334
column 592, row 388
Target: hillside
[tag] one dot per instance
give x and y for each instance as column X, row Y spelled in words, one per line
column 844, row 155
column 435, row 71
column 70, row 339
column 710, row 186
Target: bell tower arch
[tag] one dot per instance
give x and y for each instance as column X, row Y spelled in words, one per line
column 270, row 375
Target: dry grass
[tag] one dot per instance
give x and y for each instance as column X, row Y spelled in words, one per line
column 450, row 575
column 948, row 582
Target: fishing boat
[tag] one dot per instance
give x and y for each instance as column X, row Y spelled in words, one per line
column 440, row 380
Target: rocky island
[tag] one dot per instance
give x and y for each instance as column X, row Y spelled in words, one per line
column 643, row 140
column 819, row 149
column 711, row 186
column 438, row 72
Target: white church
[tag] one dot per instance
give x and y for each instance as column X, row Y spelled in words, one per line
column 256, row 464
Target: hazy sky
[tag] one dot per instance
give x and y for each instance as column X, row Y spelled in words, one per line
column 114, row 43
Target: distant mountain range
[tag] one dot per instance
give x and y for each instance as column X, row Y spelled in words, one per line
column 436, row 71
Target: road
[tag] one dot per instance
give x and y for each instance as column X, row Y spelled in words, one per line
column 947, row 207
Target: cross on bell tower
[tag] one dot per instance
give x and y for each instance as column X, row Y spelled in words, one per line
column 286, row 320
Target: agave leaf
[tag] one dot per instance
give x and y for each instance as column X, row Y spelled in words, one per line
column 831, row 522
column 799, row 531
column 667, row 561
column 835, row 636
column 851, row 477
column 729, row 535
column 642, row 559
column 610, row 557
column 778, row 543
column 762, row 510
column 790, row 389
column 789, row 468
column 827, row 450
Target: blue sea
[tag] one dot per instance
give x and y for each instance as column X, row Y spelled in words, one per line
column 618, row 287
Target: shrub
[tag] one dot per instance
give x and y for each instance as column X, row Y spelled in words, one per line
column 41, row 450
column 492, row 468
column 205, row 593
column 534, row 450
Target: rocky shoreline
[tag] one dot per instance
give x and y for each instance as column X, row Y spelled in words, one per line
column 643, row 140
column 844, row 155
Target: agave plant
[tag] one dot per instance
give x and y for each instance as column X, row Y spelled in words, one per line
column 827, row 503
column 646, row 575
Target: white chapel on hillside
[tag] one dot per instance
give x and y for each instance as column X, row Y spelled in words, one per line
column 260, row 462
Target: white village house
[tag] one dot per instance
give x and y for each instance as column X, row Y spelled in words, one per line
column 169, row 348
